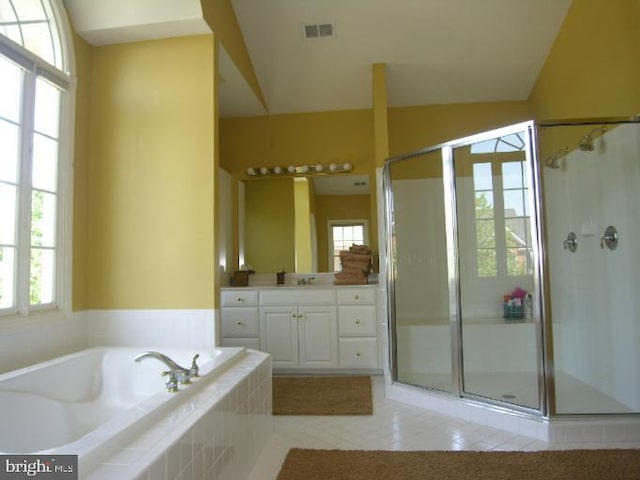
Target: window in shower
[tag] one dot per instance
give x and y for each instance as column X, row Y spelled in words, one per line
column 509, row 253
column 516, row 219
column 485, row 220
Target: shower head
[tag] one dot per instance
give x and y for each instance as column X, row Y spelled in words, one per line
column 553, row 160
column 586, row 142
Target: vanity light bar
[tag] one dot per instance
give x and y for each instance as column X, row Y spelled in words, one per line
column 299, row 170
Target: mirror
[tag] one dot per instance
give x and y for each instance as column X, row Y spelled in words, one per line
column 284, row 222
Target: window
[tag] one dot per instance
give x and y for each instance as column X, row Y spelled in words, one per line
column 500, row 185
column 516, row 219
column 342, row 235
column 485, row 220
column 33, row 164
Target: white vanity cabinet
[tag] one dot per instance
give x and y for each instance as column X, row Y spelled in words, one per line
column 240, row 318
column 357, row 328
column 305, row 328
column 299, row 328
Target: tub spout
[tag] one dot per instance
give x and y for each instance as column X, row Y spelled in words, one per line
column 183, row 375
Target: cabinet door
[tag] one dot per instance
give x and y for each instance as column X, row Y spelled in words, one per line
column 279, row 335
column 317, row 333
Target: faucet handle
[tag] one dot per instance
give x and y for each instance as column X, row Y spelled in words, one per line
column 194, row 366
column 172, row 381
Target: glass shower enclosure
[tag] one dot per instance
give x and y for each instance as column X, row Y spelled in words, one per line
column 509, row 280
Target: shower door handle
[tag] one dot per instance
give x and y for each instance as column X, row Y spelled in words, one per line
column 610, row 238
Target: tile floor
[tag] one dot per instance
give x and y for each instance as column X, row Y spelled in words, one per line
column 393, row 426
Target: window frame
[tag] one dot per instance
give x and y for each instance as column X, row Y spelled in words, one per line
column 22, row 313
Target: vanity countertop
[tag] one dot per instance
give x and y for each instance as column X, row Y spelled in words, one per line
column 318, row 280
column 296, row 287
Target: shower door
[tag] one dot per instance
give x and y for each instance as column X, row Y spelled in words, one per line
column 496, row 237
column 419, row 295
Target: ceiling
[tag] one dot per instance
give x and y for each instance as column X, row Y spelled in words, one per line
column 435, row 51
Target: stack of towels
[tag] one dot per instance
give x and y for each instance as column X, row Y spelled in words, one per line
column 356, row 266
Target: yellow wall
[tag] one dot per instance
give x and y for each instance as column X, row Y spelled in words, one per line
column 412, row 128
column 151, row 175
column 593, row 68
column 305, row 138
column 269, row 225
column 82, row 53
column 302, row 207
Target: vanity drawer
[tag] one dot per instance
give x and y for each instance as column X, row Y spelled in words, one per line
column 298, row 296
column 358, row 352
column 357, row 321
column 238, row 298
column 240, row 322
column 356, row 296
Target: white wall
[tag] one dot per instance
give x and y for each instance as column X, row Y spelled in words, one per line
column 595, row 301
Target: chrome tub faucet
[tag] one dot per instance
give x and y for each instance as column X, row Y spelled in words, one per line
column 176, row 374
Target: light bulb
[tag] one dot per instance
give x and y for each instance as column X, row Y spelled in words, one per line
column 264, row 170
column 305, row 169
column 277, row 170
column 346, row 166
column 291, row 169
column 251, row 171
column 333, row 167
column 319, row 167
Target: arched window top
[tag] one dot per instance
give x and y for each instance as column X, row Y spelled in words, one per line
column 33, row 24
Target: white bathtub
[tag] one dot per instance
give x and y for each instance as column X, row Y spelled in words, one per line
column 89, row 402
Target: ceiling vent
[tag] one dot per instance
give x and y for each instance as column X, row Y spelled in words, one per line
column 318, row 30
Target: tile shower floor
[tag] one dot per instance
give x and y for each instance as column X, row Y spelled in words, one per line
column 393, row 426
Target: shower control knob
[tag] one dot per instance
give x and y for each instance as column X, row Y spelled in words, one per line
column 610, row 238
column 571, row 243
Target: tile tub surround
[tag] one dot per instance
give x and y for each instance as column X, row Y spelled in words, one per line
column 218, row 433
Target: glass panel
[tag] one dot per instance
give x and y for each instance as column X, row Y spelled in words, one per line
column 29, row 10
column 514, row 203
column 7, row 214
column 37, row 39
column 41, row 271
column 11, row 82
column 422, row 317
column 512, row 175
column 47, row 110
column 515, row 232
column 516, row 261
column 484, row 205
column 499, row 335
column 594, row 290
column 487, row 264
column 485, row 233
column 7, row 255
column 43, row 219
column 45, row 163
column 482, row 179
column 9, row 139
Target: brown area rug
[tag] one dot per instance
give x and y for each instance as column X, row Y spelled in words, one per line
column 461, row 465
column 339, row 395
